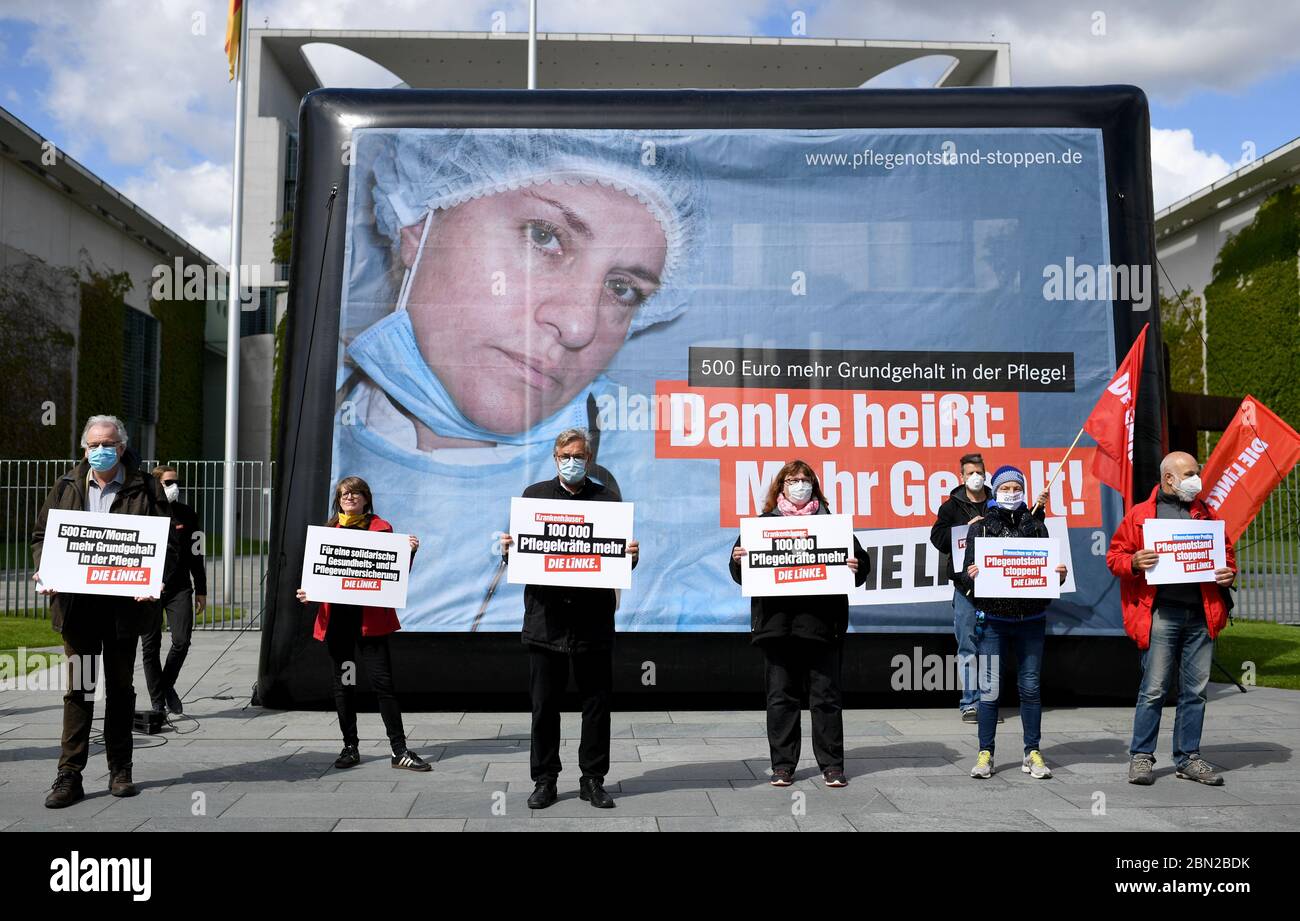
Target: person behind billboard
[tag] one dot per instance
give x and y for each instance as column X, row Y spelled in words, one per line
column 565, row 627
column 184, row 593
column 347, row 629
column 1016, row 624
column 965, row 505
column 527, row 258
column 802, row 638
column 1174, row 626
column 107, row 479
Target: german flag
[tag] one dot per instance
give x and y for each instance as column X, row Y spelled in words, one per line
column 234, row 28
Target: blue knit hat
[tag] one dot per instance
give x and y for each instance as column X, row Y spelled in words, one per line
column 1007, row 474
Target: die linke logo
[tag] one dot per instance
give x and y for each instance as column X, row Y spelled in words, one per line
column 111, row 556
column 360, row 569
column 1192, row 551
column 567, row 543
column 795, row 556
column 1024, row 568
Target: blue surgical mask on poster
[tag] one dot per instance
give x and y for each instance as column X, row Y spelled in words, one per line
column 390, row 355
column 573, row 470
column 102, row 458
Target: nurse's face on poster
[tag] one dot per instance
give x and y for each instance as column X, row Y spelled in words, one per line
column 523, row 297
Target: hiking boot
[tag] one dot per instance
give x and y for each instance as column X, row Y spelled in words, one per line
column 1199, row 770
column 119, row 782
column 1139, row 770
column 66, row 790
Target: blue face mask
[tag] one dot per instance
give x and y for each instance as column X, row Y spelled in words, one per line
column 389, row 354
column 573, row 470
column 102, row 458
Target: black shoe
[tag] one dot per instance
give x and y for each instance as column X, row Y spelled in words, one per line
column 347, row 758
column 410, row 761
column 119, row 782
column 544, row 795
column 173, row 701
column 592, row 790
column 66, row 790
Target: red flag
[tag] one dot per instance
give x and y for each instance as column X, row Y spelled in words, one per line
column 1111, row 423
column 1256, row 453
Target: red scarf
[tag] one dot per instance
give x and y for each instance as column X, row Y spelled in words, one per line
column 787, row 507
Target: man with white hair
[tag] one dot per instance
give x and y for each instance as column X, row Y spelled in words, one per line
column 1174, row 626
column 107, row 479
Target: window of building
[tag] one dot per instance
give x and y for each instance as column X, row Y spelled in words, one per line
column 140, row 380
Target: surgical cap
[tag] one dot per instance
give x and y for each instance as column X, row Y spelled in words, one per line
column 421, row 170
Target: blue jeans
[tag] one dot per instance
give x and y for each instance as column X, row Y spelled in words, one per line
column 1023, row 638
column 1178, row 635
column 963, row 625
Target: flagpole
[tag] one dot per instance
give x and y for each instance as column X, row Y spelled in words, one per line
column 229, row 539
column 1052, row 481
column 532, row 44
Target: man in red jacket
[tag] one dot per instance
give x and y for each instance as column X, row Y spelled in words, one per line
column 1171, row 624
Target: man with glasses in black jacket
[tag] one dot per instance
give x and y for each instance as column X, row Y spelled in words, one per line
column 566, row 626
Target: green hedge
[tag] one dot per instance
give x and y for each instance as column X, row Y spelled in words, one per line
column 180, row 385
column 36, row 362
column 99, row 361
column 1254, row 309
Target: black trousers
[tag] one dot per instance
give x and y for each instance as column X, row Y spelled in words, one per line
column 87, row 634
column 346, row 645
column 548, row 674
column 794, row 667
column 180, row 622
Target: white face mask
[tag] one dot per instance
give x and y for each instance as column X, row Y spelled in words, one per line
column 172, row 491
column 1011, row 500
column 1189, row 488
column 975, row 482
column 798, row 493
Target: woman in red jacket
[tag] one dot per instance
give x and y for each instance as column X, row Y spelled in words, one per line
column 348, row 629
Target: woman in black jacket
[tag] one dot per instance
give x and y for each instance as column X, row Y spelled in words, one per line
column 1007, row 624
column 802, row 638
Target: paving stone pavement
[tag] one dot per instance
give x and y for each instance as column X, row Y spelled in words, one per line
column 227, row 766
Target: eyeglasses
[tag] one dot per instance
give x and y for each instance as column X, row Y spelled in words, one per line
column 102, row 444
column 797, row 479
column 351, row 495
column 579, row 456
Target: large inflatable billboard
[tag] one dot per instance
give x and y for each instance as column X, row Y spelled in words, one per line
column 712, row 283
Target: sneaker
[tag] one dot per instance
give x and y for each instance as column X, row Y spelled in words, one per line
column 347, row 758
column 835, row 778
column 410, row 761
column 119, row 782
column 970, row 716
column 983, row 768
column 1139, row 770
column 1035, row 766
column 782, row 778
column 1199, row 770
column 66, row 790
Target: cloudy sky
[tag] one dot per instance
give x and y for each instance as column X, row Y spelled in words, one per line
column 137, row 89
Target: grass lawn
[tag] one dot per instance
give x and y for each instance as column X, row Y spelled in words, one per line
column 1274, row 648
column 29, row 632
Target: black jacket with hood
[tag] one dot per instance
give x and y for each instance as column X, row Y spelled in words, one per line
column 957, row 510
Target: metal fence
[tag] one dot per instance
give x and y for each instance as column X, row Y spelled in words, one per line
column 1268, row 558
column 1268, row 554
column 25, row 483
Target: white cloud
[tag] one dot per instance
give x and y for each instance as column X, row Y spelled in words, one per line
column 193, row 201
column 1178, row 168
